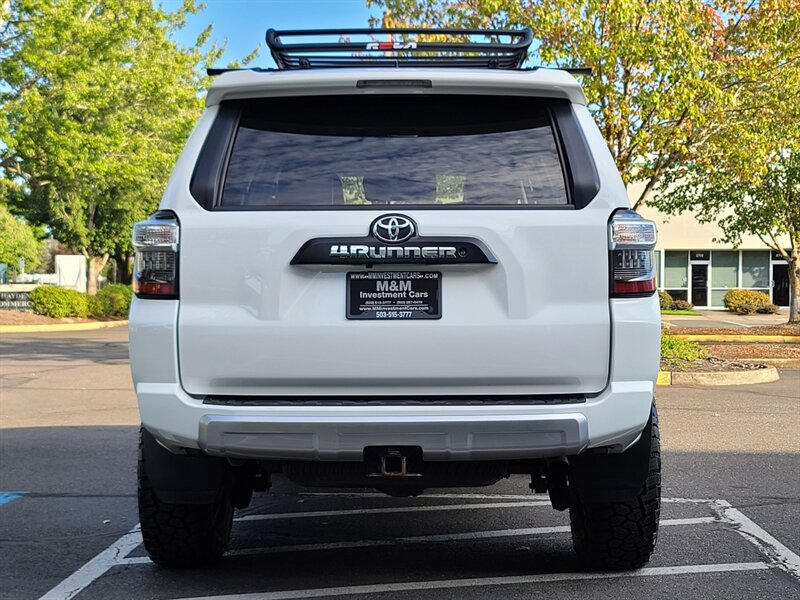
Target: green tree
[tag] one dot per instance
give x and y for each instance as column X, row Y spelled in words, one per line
column 767, row 206
column 666, row 76
column 96, row 101
column 748, row 178
column 18, row 240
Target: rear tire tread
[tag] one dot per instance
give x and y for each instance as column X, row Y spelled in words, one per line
column 621, row 535
column 182, row 535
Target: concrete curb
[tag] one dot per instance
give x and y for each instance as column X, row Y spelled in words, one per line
column 779, row 339
column 61, row 327
column 718, row 377
column 664, row 378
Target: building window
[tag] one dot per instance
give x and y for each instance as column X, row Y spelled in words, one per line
column 755, row 271
column 676, row 269
column 676, row 274
column 724, row 274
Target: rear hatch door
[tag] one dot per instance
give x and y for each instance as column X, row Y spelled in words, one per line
column 300, row 276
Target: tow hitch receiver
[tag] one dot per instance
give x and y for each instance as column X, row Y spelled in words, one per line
column 394, row 462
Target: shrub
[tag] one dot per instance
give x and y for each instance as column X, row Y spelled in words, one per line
column 59, row 302
column 665, row 300
column 747, row 308
column 769, row 309
column 111, row 301
column 682, row 305
column 745, row 302
column 672, row 348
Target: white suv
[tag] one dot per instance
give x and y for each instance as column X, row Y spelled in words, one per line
column 396, row 265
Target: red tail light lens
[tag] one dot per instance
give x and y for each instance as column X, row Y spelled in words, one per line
column 631, row 242
column 155, row 269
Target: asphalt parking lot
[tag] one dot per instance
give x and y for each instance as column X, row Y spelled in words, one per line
column 68, row 507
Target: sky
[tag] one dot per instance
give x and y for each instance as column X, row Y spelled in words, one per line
column 243, row 23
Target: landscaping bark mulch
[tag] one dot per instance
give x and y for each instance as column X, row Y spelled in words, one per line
column 784, row 329
column 710, row 364
column 13, row 317
column 750, row 351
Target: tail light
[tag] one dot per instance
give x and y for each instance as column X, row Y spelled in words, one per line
column 155, row 267
column 631, row 241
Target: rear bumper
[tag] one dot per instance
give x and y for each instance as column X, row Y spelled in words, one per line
column 441, row 438
column 444, row 432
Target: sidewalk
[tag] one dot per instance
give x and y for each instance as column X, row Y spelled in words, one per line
column 722, row 319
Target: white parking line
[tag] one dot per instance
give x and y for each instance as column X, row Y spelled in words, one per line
column 110, row 557
column 777, row 554
column 397, row 509
column 486, row 581
column 446, row 537
column 416, row 539
column 448, row 496
column 480, row 497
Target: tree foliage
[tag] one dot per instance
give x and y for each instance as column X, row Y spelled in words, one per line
column 667, row 76
column 96, row 101
column 748, row 180
column 767, row 206
column 18, row 240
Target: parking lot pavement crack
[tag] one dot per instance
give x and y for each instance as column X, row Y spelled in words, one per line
column 770, row 502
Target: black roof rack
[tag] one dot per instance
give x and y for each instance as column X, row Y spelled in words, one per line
column 401, row 48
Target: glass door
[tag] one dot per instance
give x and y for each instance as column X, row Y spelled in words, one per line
column 780, row 284
column 699, row 285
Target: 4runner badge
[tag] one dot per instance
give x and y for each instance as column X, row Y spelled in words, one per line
column 393, row 239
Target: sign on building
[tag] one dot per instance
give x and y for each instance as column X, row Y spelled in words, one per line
column 71, row 271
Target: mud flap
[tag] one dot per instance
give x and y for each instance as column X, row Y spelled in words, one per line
column 182, row 479
column 596, row 477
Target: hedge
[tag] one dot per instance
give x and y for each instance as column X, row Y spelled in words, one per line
column 682, row 305
column 668, row 303
column 665, row 300
column 747, row 302
column 59, row 302
column 111, row 301
column 672, row 348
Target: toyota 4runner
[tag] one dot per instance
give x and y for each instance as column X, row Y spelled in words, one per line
column 396, row 265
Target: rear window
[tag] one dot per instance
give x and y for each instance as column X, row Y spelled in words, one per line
column 385, row 150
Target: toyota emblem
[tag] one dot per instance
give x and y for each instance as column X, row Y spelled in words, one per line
column 393, row 228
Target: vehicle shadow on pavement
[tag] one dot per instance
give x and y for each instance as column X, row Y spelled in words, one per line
column 80, row 484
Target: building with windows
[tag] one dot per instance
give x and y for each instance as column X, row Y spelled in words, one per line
column 692, row 264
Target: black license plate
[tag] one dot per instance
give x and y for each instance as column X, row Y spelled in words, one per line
column 394, row 295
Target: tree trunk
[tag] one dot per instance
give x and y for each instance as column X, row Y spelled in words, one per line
column 794, row 288
column 124, row 268
column 96, row 266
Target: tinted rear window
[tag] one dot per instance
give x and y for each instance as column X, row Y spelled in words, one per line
column 381, row 150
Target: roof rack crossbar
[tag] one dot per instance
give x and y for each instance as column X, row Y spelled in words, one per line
column 403, row 52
